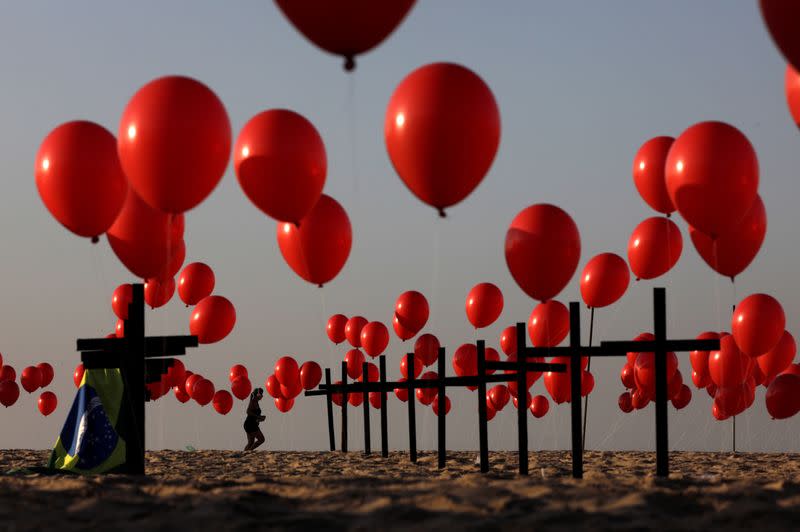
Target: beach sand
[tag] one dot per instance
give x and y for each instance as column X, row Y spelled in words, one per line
column 227, row 490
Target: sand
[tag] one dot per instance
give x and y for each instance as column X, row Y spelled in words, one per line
column 227, row 490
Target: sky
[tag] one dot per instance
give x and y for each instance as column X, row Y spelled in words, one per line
column 580, row 86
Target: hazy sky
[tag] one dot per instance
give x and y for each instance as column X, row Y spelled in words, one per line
column 580, row 86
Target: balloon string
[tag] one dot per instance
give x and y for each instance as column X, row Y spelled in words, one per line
column 351, row 120
column 588, row 368
column 324, row 306
column 435, row 281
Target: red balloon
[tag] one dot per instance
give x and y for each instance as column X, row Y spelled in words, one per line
column 47, row 403
column 427, row 395
column 180, row 394
column 203, row 391
column 319, row 247
column 411, row 310
column 758, row 324
column 542, row 250
column 781, row 19
column 699, row 359
column 508, row 341
column 627, row 376
column 499, row 396
column 779, row 358
column 355, row 363
column 465, row 360
column 212, row 319
column 418, row 365
column 484, row 304
column 558, row 386
column 335, row 328
column 375, row 399
column 402, row 393
column 604, row 280
column 223, row 402
column 158, row 292
column 490, row 354
column 174, row 142
column 728, row 366
column 640, row 399
column 783, row 396
column 177, row 254
column 119, row 329
column 732, row 400
column 7, row 373
column 643, row 337
column 645, row 371
column 30, row 379
column 77, row 375
column 548, row 324
column 9, row 393
column 281, row 165
column 427, row 349
column 539, row 406
column 435, row 405
column 359, row 25
column 352, row 330
column 176, row 373
column 648, row 173
column 682, row 398
column 120, row 299
column 355, row 399
column 529, row 400
column 46, row 371
column 587, row 383
column 654, row 247
column 195, row 283
column 237, row 371
column 490, row 412
column 530, row 377
column 284, row 404
column 792, row 88
column 401, row 332
column 292, row 390
column 442, row 129
column 717, row 412
column 191, row 380
column 310, row 375
column 141, row 237
column 241, row 387
column 273, row 387
column 625, row 402
column 712, row 177
column 286, row 371
column 731, row 253
column 374, row 338
column 674, row 385
column 79, row 177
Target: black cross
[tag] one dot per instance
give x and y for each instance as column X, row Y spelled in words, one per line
column 141, row 361
column 412, row 384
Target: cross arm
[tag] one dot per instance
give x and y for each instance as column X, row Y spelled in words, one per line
column 668, row 345
column 154, row 346
column 529, row 366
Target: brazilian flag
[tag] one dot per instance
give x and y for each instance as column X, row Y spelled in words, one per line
column 89, row 442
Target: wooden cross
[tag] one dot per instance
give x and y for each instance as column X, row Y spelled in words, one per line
column 661, row 346
column 141, row 361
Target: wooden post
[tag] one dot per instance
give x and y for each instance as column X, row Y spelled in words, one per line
column 384, row 414
column 441, row 398
column 483, row 429
column 412, row 413
column 344, row 408
column 133, row 370
column 365, row 402
column 575, row 385
column 522, row 398
column 329, row 405
column 660, row 332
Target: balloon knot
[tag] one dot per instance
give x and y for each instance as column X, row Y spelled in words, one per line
column 442, row 214
column 95, row 239
column 349, row 63
column 638, row 279
column 320, row 285
column 669, row 215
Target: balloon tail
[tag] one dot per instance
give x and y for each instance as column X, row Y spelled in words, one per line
column 349, row 63
column 442, row 214
column 95, row 239
column 588, row 368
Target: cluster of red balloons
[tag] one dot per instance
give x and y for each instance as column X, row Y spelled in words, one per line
column 759, row 352
column 289, row 379
column 31, row 379
column 638, row 375
column 498, row 396
column 709, row 174
column 559, row 384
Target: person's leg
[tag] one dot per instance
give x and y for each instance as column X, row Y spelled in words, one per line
column 259, row 439
column 250, row 440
